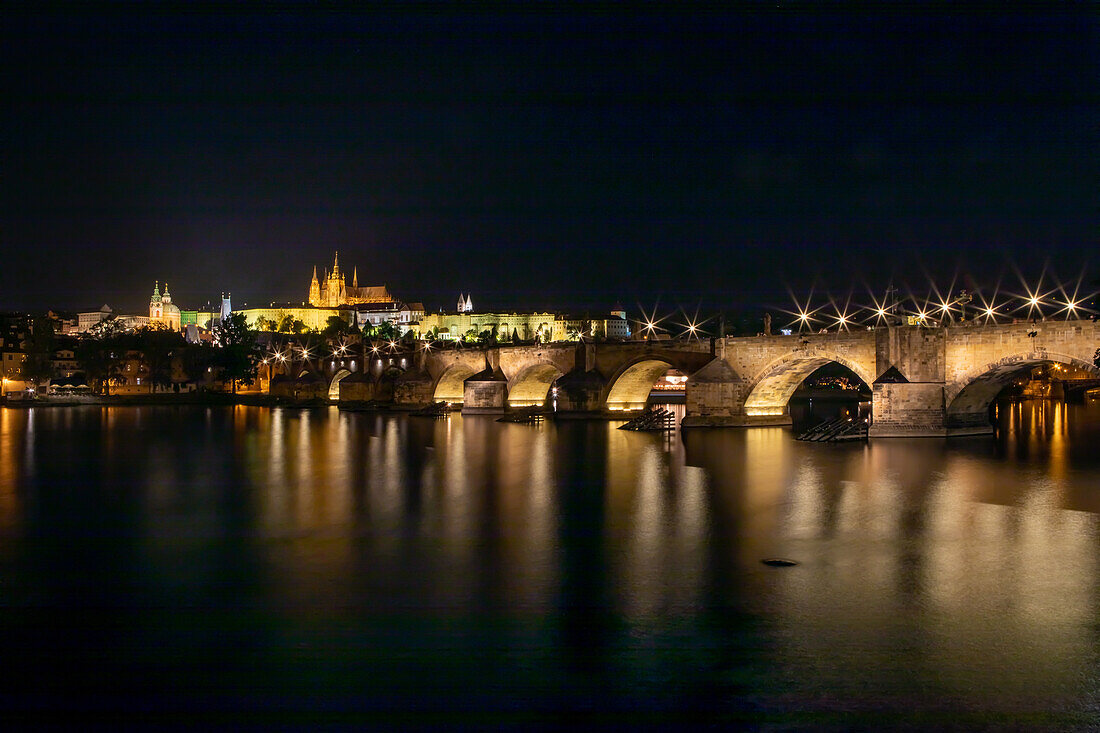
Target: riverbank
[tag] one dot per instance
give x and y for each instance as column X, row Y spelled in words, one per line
column 192, row 398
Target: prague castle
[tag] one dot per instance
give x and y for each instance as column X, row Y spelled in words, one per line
column 330, row 295
column 332, row 292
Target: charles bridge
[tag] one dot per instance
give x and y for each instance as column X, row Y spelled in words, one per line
column 924, row 381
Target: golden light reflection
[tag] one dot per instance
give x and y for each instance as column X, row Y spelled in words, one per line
column 12, row 425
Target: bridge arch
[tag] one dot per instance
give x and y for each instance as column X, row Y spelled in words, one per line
column 770, row 391
column 629, row 387
column 969, row 397
column 334, row 385
column 530, row 386
column 450, row 386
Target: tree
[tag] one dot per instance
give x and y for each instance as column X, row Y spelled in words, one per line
column 286, row 324
column 237, row 355
column 197, row 358
column 386, row 330
column 335, row 326
column 39, row 345
column 157, row 345
column 1096, row 358
column 100, row 354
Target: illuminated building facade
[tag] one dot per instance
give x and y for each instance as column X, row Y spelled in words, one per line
column 311, row 317
column 525, row 326
column 454, row 326
column 331, row 291
column 161, row 309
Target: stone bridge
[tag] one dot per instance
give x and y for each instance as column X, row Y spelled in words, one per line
column 590, row 378
column 924, row 381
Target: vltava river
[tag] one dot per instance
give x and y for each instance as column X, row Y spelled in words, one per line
column 302, row 567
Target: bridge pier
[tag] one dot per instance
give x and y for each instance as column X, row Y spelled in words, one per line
column 413, row 389
column 908, row 410
column 580, row 394
column 485, row 393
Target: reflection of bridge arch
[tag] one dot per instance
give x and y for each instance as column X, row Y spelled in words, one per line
column 630, row 387
column 449, row 387
column 530, row 387
column 771, row 390
column 334, row 386
column 968, row 398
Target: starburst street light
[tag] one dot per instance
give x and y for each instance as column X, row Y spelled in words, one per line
column 803, row 314
column 650, row 323
column 692, row 325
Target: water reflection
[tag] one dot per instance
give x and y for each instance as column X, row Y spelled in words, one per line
column 382, row 562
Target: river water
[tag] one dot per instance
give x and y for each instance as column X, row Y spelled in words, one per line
column 296, row 568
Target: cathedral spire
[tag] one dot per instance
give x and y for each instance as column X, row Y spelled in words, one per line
column 336, row 265
column 355, row 277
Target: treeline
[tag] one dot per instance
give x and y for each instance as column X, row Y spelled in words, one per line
column 163, row 355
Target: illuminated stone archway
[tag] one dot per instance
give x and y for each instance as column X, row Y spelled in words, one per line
column 450, row 387
column 770, row 392
column 530, row 387
column 968, row 399
column 630, row 389
column 334, row 386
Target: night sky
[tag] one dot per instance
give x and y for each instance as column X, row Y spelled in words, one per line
column 554, row 160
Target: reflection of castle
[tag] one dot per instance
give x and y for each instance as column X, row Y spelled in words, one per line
column 331, row 291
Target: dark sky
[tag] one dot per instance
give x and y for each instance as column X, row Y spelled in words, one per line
column 556, row 159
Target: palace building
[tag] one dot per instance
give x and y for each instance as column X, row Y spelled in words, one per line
column 331, row 291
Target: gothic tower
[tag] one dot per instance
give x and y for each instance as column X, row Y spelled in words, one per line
column 156, row 303
column 315, row 289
